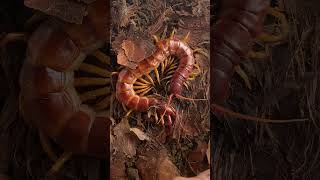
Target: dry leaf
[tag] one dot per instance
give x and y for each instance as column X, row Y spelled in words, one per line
column 122, row 59
column 123, row 141
column 198, row 27
column 199, row 153
column 167, row 170
column 67, row 10
column 201, row 9
column 140, row 134
column 196, row 158
column 155, row 164
column 118, row 168
column 132, row 51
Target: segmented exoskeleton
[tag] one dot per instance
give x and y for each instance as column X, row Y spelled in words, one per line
column 49, row 100
column 125, row 90
column 232, row 37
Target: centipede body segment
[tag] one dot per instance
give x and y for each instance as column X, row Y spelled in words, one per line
column 125, row 92
column 48, row 97
column 232, row 37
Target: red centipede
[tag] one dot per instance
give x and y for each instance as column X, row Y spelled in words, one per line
column 48, row 97
column 232, row 37
column 127, row 77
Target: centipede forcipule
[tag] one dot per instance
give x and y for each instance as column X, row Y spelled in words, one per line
column 171, row 46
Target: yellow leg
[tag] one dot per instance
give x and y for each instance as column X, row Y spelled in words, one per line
column 124, row 107
column 167, row 77
column 201, row 51
column 103, row 104
column 136, row 87
column 47, row 147
column 94, row 94
column 144, row 91
column 243, row 75
column 150, row 78
column 95, row 70
column 162, row 67
column 102, row 57
column 91, row 81
column 143, row 81
column 195, row 72
column 11, row 37
column 259, row 55
column 284, row 25
column 156, row 72
column 59, row 163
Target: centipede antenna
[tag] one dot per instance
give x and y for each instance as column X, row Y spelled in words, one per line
column 186, row 38
column 219, row 109
column 188, row 99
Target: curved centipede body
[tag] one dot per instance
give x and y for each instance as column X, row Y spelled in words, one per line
column 125, row 92
column 232, row 37
column 48, row 97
